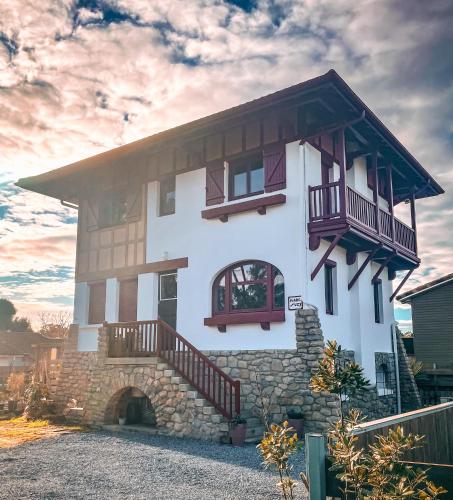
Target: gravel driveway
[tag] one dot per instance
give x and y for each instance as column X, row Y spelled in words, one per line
column 118, row 466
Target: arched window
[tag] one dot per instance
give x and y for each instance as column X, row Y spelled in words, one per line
column 248, row 292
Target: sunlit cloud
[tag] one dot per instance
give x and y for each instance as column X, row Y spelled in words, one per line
column 79, row 77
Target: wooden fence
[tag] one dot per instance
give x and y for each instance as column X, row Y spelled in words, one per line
column 436, row 454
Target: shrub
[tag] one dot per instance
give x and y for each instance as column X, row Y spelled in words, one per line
column 277, row 445
column 36, row 400
column 15, row 385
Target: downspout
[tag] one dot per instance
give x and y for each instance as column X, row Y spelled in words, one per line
column 397, row 366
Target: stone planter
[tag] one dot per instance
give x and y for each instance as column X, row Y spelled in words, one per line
column 297, row 424
column 237, row 434
column 122, row 420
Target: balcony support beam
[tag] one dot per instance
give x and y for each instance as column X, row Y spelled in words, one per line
column 324, row 258
column 403, row 281
column 413, row 220
column 390, row 198
column 342, row 180
column 363, row 266
column 382, row 267
column 374, row 160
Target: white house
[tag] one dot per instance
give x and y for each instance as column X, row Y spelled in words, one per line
column 225, row 226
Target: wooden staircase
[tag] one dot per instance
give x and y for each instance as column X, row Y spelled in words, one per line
column 157, row 338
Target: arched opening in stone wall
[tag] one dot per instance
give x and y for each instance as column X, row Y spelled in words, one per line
column 132, row 406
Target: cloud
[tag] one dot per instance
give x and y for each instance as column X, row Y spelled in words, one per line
column 81, row 76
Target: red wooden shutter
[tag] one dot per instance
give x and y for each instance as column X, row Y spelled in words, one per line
column 128, row 300
column 274, row 160
column 215, row 183
column 96, row 313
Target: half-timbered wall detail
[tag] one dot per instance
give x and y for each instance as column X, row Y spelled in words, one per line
column 102, row 249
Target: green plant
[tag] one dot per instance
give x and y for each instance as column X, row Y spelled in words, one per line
column 277, row 445
column 237, row 420
column 337, row 375
column 377, row 473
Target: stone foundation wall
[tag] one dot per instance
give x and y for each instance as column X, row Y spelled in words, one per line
column 97, row 382
column 275, row 381
column 372, row 404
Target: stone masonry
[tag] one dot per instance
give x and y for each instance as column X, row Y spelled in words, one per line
column 275, row 381
column 97, row 382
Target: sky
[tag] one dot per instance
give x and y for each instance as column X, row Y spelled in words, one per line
column 78, row 77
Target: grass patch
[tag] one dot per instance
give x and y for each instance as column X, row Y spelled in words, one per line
column 18, row 430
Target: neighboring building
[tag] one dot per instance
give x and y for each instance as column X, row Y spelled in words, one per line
column 432, row 319
column 23, row 351
column 222, row 228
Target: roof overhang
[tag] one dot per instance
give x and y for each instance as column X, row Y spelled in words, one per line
column 428, row 287
column 329, row 89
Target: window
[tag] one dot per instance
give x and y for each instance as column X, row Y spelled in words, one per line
column 329, row 286
column 246, row 177
column 249, row 287
column 167, row 196
column 96, row 310
column 113, row 209
column 377, row 296
column 127, row 310
column 383, row 383
column 168, row 286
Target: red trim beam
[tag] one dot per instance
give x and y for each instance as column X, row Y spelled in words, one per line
column 259, row 204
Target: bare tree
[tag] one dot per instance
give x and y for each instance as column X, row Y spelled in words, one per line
column 55, row 324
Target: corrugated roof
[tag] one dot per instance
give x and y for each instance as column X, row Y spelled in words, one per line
column 406, row 296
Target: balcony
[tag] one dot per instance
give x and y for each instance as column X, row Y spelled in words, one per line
column 359, row 224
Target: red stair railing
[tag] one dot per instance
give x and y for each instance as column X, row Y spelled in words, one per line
column 157, row 338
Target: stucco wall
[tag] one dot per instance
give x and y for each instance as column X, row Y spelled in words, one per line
column 279, row 237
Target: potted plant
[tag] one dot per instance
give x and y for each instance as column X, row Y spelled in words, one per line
column 238, row 429
column 296, row 420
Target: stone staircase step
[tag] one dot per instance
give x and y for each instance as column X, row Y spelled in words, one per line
column 169, row 373
column 176, row 380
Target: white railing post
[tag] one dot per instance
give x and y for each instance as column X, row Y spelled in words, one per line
column 315, row 460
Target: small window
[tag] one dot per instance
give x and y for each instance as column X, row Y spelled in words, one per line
column 167, row 196
column 168, row 286
column 246, row 177
column 329, row 287
column 383, row 383
column 113, row 209
column 96, row 312
column 378, row 305
column 127, row 310
column 53, row 354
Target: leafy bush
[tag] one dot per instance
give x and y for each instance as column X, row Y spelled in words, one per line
column 378, row 472
column 277, row 445
column 338, row 376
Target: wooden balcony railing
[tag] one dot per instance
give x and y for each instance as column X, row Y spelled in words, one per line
column 324, row 201
column 157, row 338
column 325, row 204
column 361, row 209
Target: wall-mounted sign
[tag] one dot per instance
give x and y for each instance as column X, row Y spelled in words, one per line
column 295, row 302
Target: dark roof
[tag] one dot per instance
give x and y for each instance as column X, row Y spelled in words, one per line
column 45, row 183
column 407, row 296
column 20, row 343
